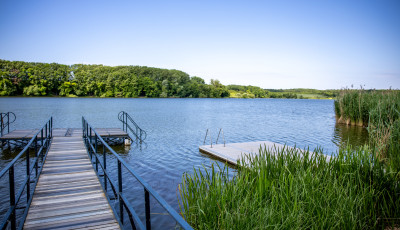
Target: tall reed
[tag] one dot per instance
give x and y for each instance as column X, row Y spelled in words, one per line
column 292, row 189
column 379, row 110
column 361, row 107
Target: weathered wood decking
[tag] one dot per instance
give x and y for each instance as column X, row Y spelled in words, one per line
column 233, row 152
column 68, row 194
column 63, row 132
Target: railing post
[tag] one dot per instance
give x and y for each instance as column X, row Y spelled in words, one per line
column 95, row 154
column 123, row 121
column 12, row 197
column 36, row 147
column 121, row 205
column 1, row 114
column 51, row 131
column 105, row 167
column 46, row 135
column 28, row 185
column 147, row 208
column 8, row 122
column 205, row 138
column 90, row 143
column 41, row 137
column 126, row 122
column 211, row 139
column 37, row 158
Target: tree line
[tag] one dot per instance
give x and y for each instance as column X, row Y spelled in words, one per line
column 44, row 79
column 18, row 78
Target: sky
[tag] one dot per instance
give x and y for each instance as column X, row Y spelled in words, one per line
column 276, row 44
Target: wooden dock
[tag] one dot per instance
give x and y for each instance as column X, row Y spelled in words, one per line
column 68, row 194
column 233, row 152
column 63, row 132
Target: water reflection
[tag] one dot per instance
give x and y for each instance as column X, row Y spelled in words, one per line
column 349, row 134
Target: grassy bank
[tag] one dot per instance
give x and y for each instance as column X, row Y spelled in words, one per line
column 294, row 190
column 238, row 91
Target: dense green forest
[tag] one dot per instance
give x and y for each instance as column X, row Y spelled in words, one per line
column 44, row 79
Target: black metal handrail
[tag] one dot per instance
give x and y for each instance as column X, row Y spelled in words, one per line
column 41, row 149
column 92, row 138
column 5, row 122
column 139, row 133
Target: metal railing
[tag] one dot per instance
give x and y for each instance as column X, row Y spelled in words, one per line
column 205, row 138
column 208, row 133
column 5, row 122
column 223, row 136
column 33, row 170
column 139, row 133
column 92, row 138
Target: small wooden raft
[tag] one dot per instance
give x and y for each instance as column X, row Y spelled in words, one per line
column 68, row 194
column 233, row 152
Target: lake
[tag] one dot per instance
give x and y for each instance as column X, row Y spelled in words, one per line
column 176, row 128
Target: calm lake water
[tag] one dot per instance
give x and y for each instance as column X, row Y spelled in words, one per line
column 176, row 127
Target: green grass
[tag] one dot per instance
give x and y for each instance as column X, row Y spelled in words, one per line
column 293, row 189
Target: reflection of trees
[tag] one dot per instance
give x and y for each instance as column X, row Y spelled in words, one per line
column 349, row 134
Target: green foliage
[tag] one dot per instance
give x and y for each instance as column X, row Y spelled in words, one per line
column 292, row 189
column 247, row 91
column 42, row 79
column 239, row 91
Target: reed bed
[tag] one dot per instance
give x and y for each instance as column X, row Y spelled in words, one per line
column 361, row 107
column 380, row 111
column 293, row 189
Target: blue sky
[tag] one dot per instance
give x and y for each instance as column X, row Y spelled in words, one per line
column 272, row 44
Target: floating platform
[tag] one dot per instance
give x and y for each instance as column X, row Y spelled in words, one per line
column 64, row 132
column 233, row 152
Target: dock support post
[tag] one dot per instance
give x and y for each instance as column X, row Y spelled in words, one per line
column 127, row 141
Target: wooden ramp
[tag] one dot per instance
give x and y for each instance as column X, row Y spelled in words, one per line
column 233, row 152
column 68, row 194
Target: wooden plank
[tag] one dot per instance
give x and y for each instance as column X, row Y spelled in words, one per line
column 79, row 222
column 67, row 186
column 68, row 211
column 93, row 201
column 68, row 194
